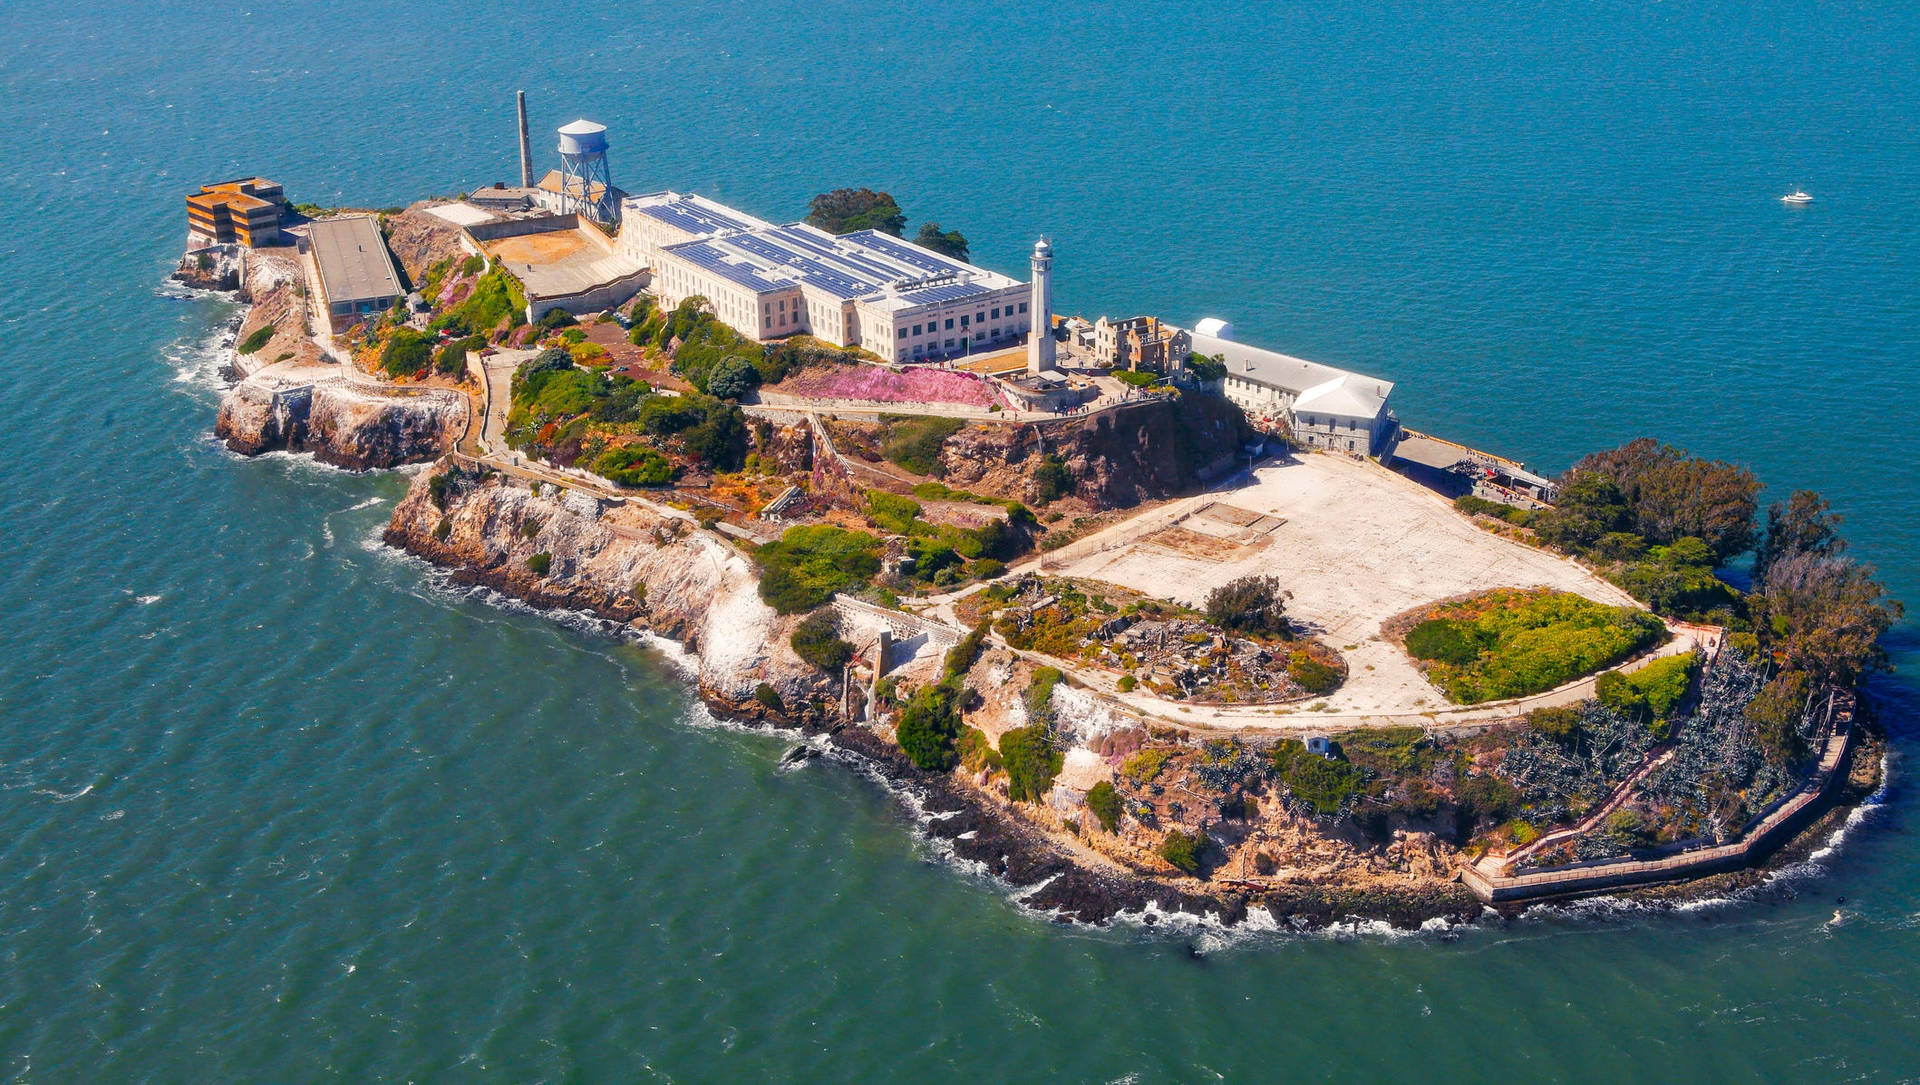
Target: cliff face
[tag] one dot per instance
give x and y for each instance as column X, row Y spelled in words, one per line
column 626, row 563
column 1117, row 459
column 340, row 424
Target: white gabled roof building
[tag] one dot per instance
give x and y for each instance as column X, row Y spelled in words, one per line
column 1322, row 406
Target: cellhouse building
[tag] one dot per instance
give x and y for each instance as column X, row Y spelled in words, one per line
column 868, row 289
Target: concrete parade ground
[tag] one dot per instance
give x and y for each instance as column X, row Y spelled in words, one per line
column 1355, row 545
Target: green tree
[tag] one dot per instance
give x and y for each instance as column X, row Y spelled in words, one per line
column 1251, row 604
column 1824, row 615
column 947, row 243
column 1104, row 801
column 732, row 378
column 1803, row 524
column 929, row 726
column 1051, row 480
column 807, row 564
column 849, row 210
column 1589, row 507
column 1182, row 849
column 1031, row 762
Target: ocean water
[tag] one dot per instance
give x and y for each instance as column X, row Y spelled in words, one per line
column 276, row 804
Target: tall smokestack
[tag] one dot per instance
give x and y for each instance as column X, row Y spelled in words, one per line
column 526, row 145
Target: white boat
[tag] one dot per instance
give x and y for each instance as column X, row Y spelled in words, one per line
column 1796, row 196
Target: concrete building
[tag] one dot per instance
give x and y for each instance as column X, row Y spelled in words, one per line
column 867, row 290
column 1040, row 344
column 1141, row 342
column 1321, row 406
column 246, row 211
column 354, row 271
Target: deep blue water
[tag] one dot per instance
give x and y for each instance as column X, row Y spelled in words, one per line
column 275, row 804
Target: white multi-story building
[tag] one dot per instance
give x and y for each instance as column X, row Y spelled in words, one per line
column 1322, row 406
column 868, row 289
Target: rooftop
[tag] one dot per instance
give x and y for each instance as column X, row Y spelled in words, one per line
column 867, row 265
column 696, row 215
column 1323, row 387
column 353, row 259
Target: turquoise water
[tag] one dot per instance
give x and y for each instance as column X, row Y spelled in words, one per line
column 277, row 804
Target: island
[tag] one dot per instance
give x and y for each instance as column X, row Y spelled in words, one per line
column 1137, row 617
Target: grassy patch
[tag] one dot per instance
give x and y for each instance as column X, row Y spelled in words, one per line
column 914, row 443
column 1512, row 643
column 809, row 563
column 260, row 337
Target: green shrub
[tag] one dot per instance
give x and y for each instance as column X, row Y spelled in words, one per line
column 987, row 568
column 1127, row 683
column 817, row 640
column 929, row 726
column 634, row 465
column 260, row 337
column 1559, row 723
column 914, row 443
column 438, row 485
column 1521, row 832
column 977, row 752
column 809, row 563
column 1324, row 784
column 962, row 656
column 1104, row 801
column 1039, row 692
column 1655, row 689
column 539, row 563
column 1135, row 378
column 1031, row 762
column 1446, row 641
column 407, row 353
column 496, row 299
column 1143, row 767
column 1529, row 641
column 732, row 378
column 769, row 697
column 1182, row 850
column 1314, row 676
column 891, row 513
column 1051, row 480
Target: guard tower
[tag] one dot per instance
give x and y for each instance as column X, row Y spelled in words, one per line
column 585, row 186
column 1040, row 340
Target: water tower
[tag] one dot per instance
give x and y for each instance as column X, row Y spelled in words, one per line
column 585, row 186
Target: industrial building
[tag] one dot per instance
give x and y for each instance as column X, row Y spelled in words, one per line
column 353, row 272
column 1323, row 407
column 868, row 290
column 246, row 211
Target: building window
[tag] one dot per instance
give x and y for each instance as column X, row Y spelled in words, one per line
column 996, row 314
column 980, row 317
column 903, row 333
column 1023, row 306
column 916, row 329
column 949, row 344
column 949, row 328
column 963, row 320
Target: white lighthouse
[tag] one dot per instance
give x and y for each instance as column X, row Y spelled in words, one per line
column 1040, row 342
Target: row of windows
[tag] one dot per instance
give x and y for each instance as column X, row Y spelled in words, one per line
column 966, row 321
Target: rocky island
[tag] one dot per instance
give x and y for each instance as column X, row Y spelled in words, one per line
column 1142, row 621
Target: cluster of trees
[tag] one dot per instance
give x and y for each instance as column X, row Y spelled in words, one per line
column 943, row 554
column 850, row 210
column 495, row 305
column 1661, row 521
column 556, row 406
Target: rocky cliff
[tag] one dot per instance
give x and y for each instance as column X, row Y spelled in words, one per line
column 1117, row 459
column 285, row 408
column 626, row 562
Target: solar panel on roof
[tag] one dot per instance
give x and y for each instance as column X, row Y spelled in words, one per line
column 934, row 295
